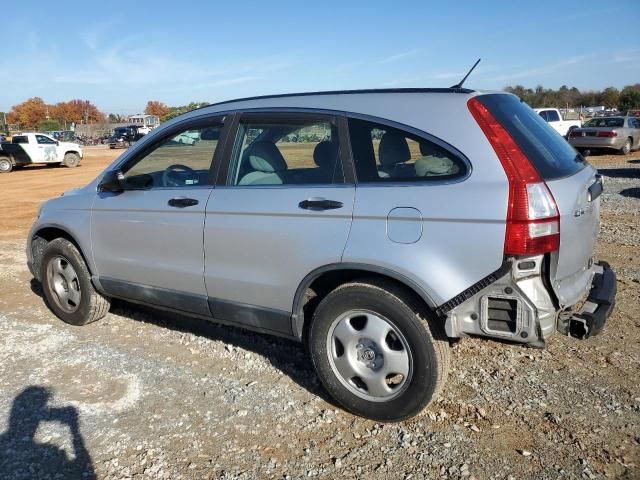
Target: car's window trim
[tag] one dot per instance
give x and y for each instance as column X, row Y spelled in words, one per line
column 231, row 119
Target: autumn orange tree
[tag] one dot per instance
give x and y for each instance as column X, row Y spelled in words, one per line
column 34, row 111
column 77, row 111
column 155, row 107
column 29, row 113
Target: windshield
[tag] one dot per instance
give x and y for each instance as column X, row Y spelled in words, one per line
column 605, row 122
column 549, row 153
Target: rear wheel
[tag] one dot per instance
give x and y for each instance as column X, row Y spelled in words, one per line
column 376, row 352
column 67, row 287
column 71, row 160
column 626, row 148
column 6, row 165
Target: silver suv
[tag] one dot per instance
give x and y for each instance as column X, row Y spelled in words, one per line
column 374, row 226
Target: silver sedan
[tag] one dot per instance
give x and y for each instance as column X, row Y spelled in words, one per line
column 614, row 133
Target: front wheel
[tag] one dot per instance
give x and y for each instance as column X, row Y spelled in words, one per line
column 71, row 160
column 376, row 352
column 6, row 165
column 67, row 287
column 626, row 148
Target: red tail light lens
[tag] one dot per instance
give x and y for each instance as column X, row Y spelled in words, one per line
column 608, row 134
column 533, row 221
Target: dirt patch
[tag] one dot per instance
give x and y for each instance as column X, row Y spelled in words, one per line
column 23, row 190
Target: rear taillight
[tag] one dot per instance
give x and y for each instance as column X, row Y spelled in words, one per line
column 533, row 221
column 608, row 134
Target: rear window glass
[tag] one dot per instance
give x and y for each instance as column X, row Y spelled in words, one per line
column 605, row 122
column 549, row 153
column 20, row 139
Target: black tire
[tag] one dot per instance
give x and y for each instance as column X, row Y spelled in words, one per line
column 92, row 305
column 6, row 165
column 424, row 336
column 71, row 160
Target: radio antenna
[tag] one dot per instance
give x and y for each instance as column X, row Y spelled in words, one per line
column 459, row 85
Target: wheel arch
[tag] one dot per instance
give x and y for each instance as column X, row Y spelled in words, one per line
column 324, row 279
column 49, row 233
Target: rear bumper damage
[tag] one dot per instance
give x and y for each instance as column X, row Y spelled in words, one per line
column 517, row 306
column 589, row 320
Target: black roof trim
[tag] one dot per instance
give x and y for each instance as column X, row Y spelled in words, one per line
column 344, row 92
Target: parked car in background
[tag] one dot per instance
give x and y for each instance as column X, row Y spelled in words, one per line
column 611, row 133
column 555, row 119
column 37, row 148
column 124, row 137
column 356, row 222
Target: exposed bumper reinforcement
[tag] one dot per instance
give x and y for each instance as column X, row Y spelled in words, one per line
column 590, row 319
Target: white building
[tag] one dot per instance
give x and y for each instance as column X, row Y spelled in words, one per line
column 145, row 121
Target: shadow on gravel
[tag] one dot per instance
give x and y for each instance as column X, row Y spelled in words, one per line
column 630, row 192
column 635, row 161
column 21, row 457
column 286, row 355
column 620, row 172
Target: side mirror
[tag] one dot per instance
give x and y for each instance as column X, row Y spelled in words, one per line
column 57, row 142
column 112, row 182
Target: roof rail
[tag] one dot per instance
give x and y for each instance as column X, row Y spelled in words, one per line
column 344, row 92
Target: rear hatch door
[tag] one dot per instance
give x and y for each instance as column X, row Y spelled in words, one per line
column 577, row 197
column 573, row 183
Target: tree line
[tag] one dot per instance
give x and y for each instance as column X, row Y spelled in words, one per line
column 154, row 107
column 626, row 99
column 34, row 113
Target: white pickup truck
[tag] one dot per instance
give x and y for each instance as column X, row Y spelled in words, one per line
column 37, row 148
column 554, row 118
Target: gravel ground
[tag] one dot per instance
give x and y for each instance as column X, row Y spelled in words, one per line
column 145, row 394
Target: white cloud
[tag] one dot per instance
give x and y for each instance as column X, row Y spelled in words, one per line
column 543, row 69
column 401, row 56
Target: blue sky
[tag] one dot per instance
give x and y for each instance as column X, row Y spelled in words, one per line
column 121, row 54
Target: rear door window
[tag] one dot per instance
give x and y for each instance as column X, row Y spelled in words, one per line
column 292, row 151
column 552, row 116
column 549, row 153
column 387, row 154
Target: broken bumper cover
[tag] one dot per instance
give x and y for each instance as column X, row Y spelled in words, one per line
column 590, row 319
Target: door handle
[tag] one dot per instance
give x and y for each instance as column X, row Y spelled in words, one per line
column 319, row 204
column 182, row 202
